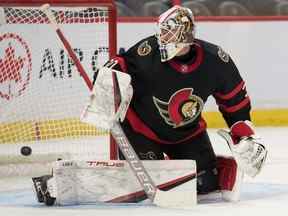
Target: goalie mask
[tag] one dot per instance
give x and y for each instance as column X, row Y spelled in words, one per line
column 175, row 30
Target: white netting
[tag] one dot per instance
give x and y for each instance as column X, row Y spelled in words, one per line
column 41, row 91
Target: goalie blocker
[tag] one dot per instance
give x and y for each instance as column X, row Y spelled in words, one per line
column 101, row 108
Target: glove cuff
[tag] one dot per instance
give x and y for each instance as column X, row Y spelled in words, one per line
column 241, row 129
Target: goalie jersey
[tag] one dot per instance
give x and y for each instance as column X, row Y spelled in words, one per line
column 169, row 97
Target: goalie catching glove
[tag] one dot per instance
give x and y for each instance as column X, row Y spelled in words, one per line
column 248, row 151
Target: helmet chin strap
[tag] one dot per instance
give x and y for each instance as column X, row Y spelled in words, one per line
column 170, row 50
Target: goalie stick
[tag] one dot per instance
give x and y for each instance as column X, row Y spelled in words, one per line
column 160, row 198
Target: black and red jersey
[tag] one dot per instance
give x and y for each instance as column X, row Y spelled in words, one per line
column 169, row 96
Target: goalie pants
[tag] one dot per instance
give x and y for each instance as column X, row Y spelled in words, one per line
column 199, row 148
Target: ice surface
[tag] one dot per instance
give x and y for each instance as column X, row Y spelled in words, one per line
column 267, row 194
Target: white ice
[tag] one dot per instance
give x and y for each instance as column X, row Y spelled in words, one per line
column 267, row 194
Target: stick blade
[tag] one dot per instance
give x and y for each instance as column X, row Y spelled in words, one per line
column 175, row 199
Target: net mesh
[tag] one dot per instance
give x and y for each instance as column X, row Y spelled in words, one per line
column 41, row 92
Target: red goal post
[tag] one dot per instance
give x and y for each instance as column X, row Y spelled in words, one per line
column 41, row 92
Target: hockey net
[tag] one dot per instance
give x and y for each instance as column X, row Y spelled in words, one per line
column 41, row 92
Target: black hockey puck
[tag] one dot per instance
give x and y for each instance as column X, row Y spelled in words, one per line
column 26, row 150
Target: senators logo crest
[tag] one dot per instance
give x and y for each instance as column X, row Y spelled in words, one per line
column 182, row 108
column 144, row 49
